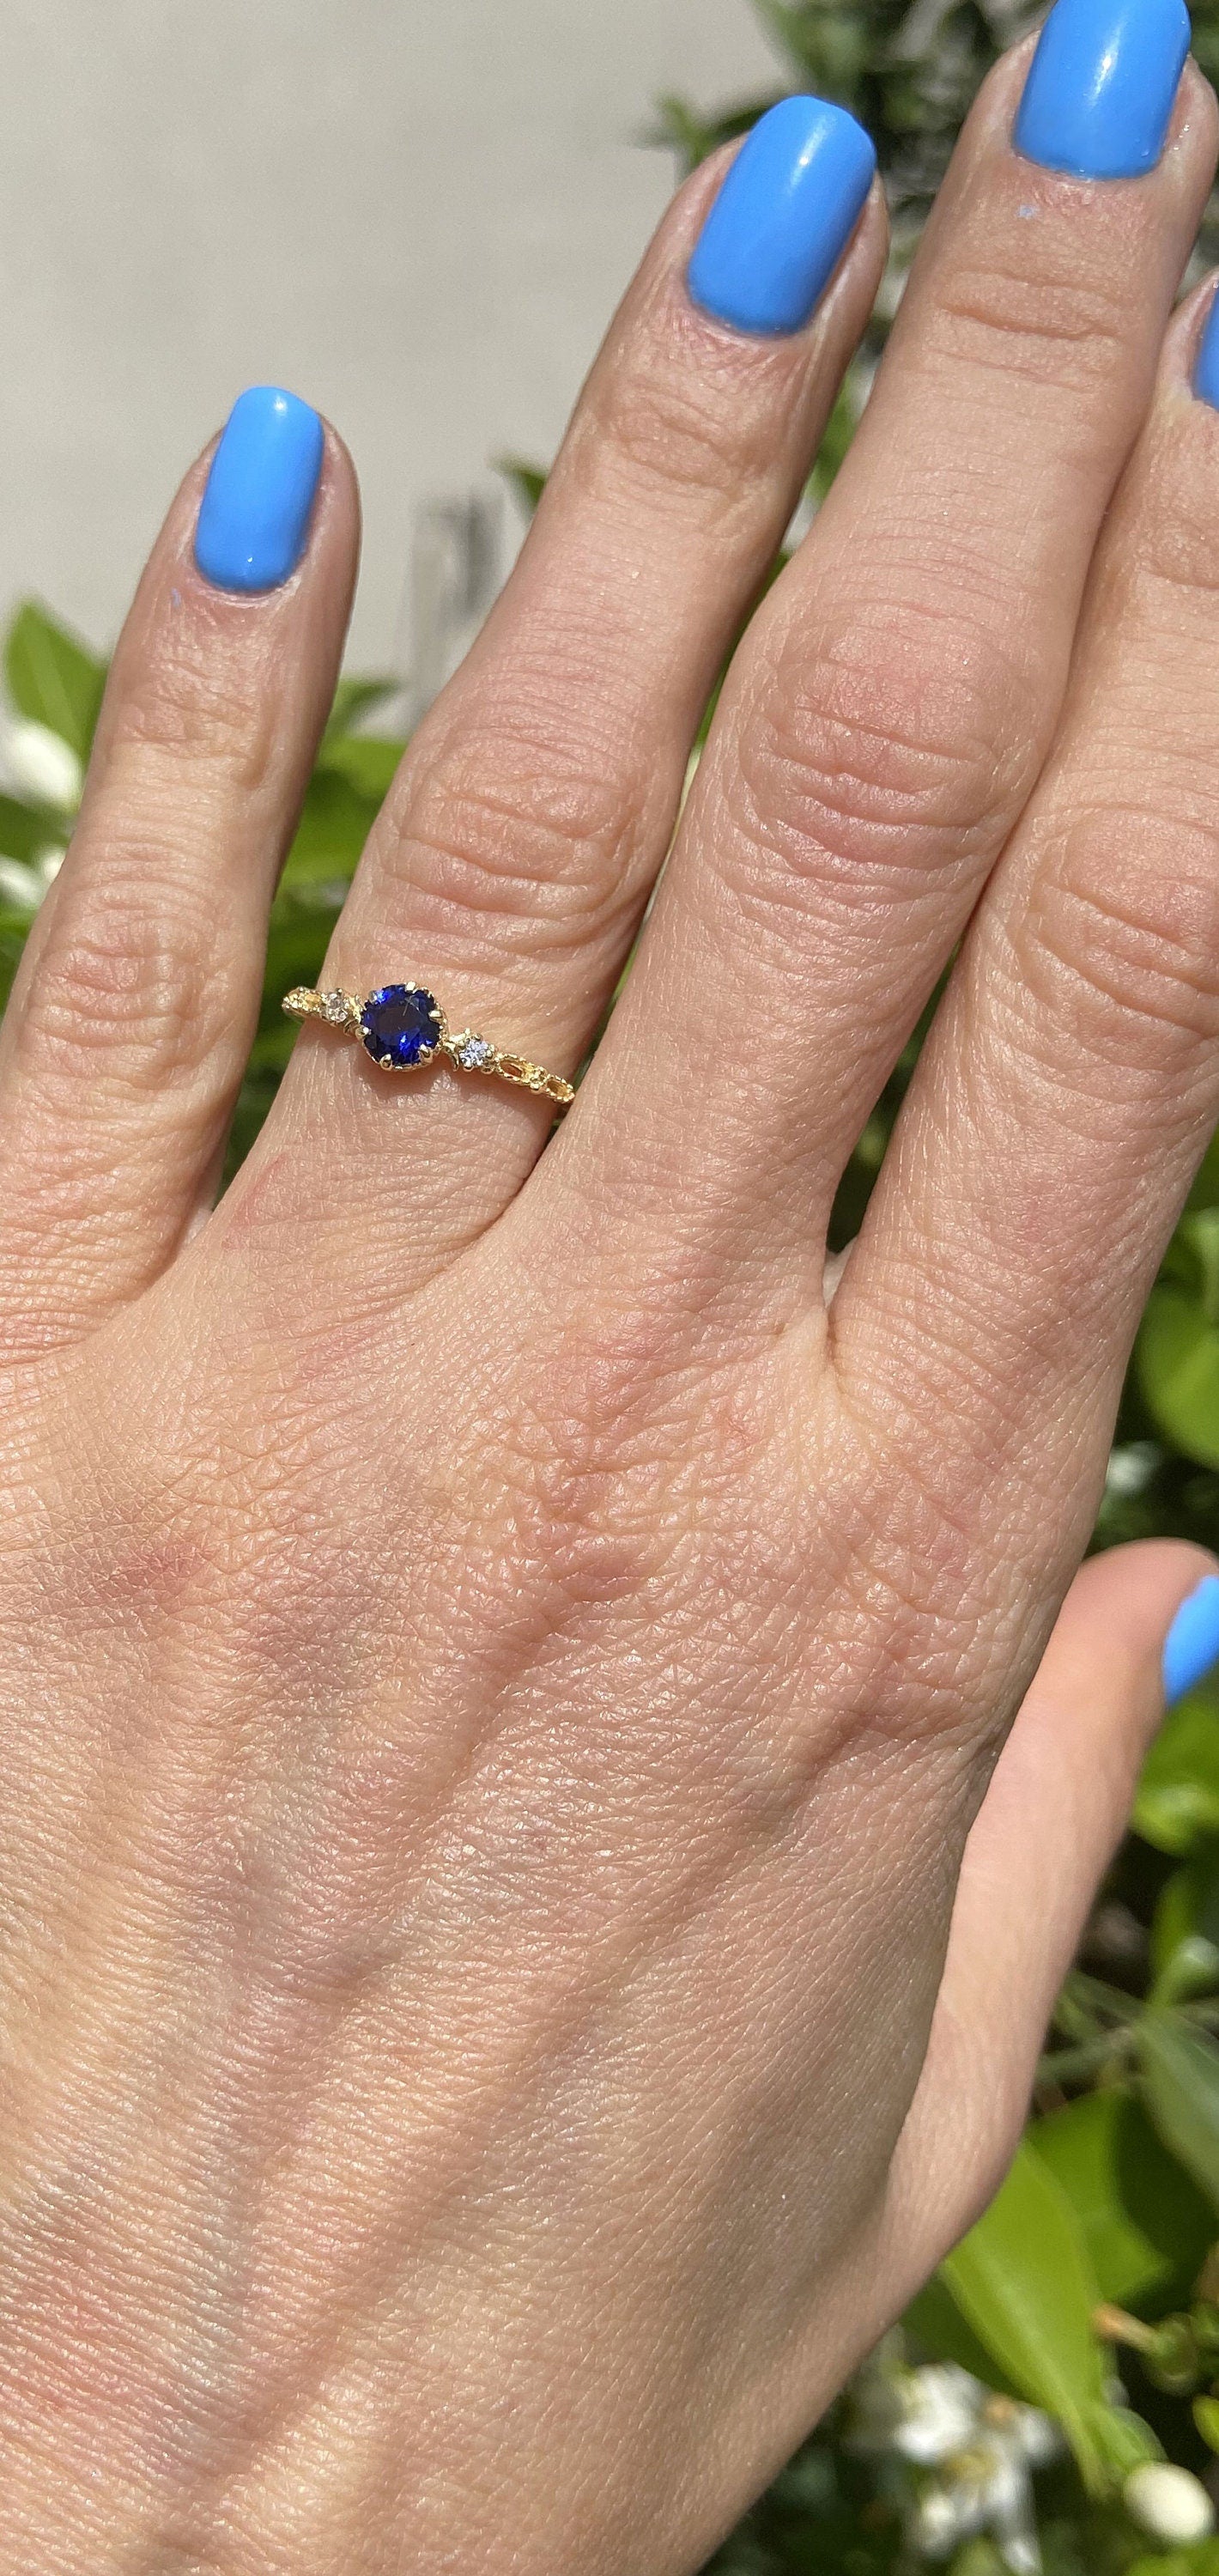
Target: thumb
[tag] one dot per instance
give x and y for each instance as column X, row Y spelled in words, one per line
column 1043, row 1837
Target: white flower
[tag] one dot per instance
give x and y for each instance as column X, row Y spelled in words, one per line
column 23, row 884
column 1130, row 1468
column 38, row 763
column 19, row 886
column 968, row 2455
column 985, row 2489
column 1168, row 2503
column 923, row 2415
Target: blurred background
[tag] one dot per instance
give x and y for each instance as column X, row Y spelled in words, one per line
column 419, row 216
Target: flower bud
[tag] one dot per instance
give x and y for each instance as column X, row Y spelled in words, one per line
column 39, row 764
column 1168, row 2503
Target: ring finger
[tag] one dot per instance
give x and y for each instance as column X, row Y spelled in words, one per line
column 519, row 842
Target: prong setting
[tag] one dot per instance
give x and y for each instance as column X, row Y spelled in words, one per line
column 402, row 1027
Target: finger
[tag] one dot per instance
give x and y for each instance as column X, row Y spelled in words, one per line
column 1071, row 1079
column 132, row 1016
column 515, row 852
column 1045, row 1833
column 896, row 696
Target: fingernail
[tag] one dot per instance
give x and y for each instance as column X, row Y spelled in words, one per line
column 783, row 218
column 1101, row 86
column 1192, row 1644
column 1206, row 364
column 254, row 515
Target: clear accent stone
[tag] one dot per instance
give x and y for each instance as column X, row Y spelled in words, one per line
column 334, row 1009
column 474, row 1052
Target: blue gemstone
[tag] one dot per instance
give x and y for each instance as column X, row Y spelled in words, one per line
column 400, row 1025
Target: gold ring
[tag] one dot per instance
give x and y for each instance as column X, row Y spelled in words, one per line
column 402, row 1026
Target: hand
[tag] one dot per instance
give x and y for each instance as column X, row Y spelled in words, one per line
column 512, row 1968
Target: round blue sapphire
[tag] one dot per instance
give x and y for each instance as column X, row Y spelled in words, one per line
column 400, row 1025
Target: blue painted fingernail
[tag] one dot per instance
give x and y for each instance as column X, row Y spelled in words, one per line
column 1192, row 1644
column 783, row 217
column 1101, row 86
column 1206, row 364
column 254, row 515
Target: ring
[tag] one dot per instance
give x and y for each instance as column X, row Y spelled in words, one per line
column 402, row 1026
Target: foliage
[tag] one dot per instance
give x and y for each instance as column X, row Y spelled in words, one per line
column 1102, row 2248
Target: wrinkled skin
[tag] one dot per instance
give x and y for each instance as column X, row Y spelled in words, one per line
column 527, row 1918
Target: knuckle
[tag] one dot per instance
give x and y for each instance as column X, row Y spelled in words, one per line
column 695, row 421
column 131, row 988
column 890, row 741
column 194, row 704
column 1121, row 939
column 1166, row 566
column 614, row 1458
column 1013, row 320
column 518, row 823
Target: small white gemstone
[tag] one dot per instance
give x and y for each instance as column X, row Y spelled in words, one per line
column 334, row 1008
column 475, row 1051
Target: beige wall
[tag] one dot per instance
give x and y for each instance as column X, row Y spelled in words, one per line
column 418, row 215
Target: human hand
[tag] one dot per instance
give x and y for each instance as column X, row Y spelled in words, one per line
column 515, row 1961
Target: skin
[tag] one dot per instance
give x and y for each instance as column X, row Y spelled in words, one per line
column 547, row 1781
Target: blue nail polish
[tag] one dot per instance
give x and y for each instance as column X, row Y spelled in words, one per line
column 1192, row 1644
column 783, row 218
column 254, row 515
column 1206, row 364
column 1101, row 86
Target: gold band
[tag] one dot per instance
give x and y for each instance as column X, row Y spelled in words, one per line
column 403, row 1028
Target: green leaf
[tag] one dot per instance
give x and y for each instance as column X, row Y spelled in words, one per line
column 940, row 2330
column 1205, row 2411
column 334, row 825
column 13, row 929
column 297, row 941
column 1177, row 1354
column 1177, row 1803
column 368, row 761
column 1205, row 1191
column 1146, row 2227
column 526, row 482
column 25, row 830
column 1126, row 2441
column 1185, row 1931
column 1180, row 2072
column 354, row 699
column 52, row 677
column 692, row 136
column 1024, row 2282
